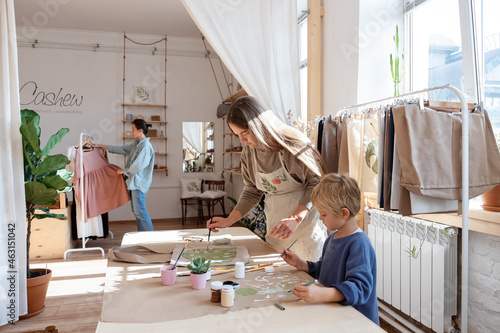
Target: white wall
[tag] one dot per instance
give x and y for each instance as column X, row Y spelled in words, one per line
column 340, row 54
column 357, row 42
column 484, row 283
column 192, row 95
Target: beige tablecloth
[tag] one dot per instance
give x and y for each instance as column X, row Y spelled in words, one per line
column 136, row 301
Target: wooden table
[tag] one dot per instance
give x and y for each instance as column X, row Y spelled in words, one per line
column 135, row 301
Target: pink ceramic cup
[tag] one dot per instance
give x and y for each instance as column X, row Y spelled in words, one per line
column 168, row 275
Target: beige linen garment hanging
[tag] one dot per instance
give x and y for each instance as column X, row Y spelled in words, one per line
column 363, row 146
column 429, row 147
column 283, row 195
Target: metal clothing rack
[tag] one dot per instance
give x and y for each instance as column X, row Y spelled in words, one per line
column 465, row 187
column 82, row 202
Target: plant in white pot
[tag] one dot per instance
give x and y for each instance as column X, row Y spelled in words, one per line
column 199, row 268
column 44, row 177
column 491, row 199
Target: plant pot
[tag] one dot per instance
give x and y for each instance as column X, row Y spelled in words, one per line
column 199, row 281
column 168, row 275
column 37, row 291
column 491, row 199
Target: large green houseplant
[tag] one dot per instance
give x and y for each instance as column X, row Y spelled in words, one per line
column 44, row 177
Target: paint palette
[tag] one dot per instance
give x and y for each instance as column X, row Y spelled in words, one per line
column 219, row 255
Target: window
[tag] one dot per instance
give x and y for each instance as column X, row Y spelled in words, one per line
column 303, row 65
column 490, row 12
column 436, row 52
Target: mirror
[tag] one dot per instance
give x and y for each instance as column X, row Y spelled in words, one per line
column 198, row 146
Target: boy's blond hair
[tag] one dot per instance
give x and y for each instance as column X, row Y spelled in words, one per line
column 336, row 192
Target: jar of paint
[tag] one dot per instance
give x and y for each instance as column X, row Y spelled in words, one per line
column 239, row 270
column 227, row 296
column 216, row 287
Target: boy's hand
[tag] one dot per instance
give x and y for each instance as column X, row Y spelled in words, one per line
column 294, row 260
column 310, row 294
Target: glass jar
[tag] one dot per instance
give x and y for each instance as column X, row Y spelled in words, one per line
column 216, row 287
column 227, row 296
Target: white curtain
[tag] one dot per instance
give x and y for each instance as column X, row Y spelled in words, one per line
column 192, row 133
column 12, row 216
column 258, row 42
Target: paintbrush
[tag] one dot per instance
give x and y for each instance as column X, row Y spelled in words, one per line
column 306, row 284
column 288, row 247
column 173, row 267
column 209, row 229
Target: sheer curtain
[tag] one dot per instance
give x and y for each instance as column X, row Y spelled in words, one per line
column 192, row 133
column 257, row 41
column 12, row 216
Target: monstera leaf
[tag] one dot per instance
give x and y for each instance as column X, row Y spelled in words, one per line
column 372, row 151
column 142, row 93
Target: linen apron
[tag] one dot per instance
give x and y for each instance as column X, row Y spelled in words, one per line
column 283, row 195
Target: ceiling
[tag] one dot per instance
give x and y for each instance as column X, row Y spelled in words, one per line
column 151, row 17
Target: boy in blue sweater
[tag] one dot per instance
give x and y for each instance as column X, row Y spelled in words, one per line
column 347, row 267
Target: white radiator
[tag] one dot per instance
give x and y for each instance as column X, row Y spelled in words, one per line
column 422, row 285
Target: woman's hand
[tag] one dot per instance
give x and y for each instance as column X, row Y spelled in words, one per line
column 285, row 228
column 221, row 222
column 97, row 145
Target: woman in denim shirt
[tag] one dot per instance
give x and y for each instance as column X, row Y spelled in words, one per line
column 138, row 170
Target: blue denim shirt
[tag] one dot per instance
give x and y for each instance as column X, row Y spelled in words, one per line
column 140, row 162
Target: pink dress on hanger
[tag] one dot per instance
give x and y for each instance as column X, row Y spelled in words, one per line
column 104, row 189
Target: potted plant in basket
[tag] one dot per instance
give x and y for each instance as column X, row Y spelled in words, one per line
column 44, row 177
column 199, row 268
column 491, row 199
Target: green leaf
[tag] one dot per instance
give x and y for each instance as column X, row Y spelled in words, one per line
column 54, row 181
column 142, row 93
column 28, row 115
column 371, row 150
column 50, row 164
column 38, row 194
column 30, row 134
column 53, row 142
column 50, row 216
column 65, row 174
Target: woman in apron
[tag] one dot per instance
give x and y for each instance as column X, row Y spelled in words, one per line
column 281, row 163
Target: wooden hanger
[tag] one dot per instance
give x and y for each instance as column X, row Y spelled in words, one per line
column 447, row 106
column 87, row 145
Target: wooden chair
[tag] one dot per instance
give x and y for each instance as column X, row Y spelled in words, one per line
column 191, row 201
column 214, row 185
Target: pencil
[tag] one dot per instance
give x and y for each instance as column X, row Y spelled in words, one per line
column 279, row 306
column 251, row 266
column 173, row 267
column 288, row 247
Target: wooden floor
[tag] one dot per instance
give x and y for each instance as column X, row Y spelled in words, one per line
column 75, row 294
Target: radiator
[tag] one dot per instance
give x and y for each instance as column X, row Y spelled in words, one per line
column 421, row 283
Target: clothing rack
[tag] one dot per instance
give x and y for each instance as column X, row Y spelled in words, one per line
column 465, row 187
column 82, row 201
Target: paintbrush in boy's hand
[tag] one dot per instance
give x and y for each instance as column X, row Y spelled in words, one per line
column 282, row 253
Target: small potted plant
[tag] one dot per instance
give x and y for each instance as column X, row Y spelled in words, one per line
column 199, row 268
